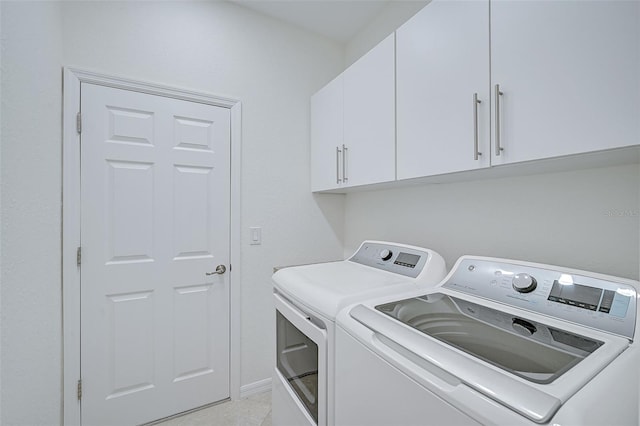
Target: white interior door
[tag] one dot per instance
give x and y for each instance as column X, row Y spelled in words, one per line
column 155, row 180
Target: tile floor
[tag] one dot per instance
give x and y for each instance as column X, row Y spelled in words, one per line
column 252, row 411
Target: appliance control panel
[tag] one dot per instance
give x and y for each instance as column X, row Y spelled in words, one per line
column 399, row 259
column 604, row 304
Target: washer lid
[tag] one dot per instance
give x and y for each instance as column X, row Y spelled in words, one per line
column 529, row 349
column 533, row 387
column 328, row 287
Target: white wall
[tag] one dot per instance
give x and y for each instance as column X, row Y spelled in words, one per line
column 30, row 179
column 585, row 219
column 215, row 47
column 393, row 15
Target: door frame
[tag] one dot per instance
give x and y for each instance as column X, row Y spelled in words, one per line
column 72, row 79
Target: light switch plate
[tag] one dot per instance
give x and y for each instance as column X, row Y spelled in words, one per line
column 255, row 236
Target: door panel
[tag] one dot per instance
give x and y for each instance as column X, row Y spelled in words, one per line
column 193, row 334
column 155, row 219
column 192, row 213
column 129, row 211
column 130, row 343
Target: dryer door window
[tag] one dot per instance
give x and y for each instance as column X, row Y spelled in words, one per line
column 297, row 361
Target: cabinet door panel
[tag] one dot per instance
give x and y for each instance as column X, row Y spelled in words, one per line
column 369, row 116
column 442, row 60
column 326, row 135
column 569, row 72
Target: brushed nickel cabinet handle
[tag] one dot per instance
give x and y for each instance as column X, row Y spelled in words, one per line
column 344, row 163
column 338, row 180
column 476, row 101
column 498, row 93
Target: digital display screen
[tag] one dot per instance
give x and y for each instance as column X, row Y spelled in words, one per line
column 406, row 259
column 578, row 295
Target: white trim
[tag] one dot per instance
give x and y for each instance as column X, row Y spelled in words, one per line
column 70, row 243
column 235, row 227
column 256, row 387
column 152, row 88
column 71, row 222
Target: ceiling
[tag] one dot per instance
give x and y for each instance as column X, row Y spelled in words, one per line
column 339, row 20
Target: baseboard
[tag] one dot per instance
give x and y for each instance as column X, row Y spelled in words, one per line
column 255, row 387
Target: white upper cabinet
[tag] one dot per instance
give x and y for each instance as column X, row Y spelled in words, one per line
column 353, row 124
column 471, row 84
column 569, row 73
column 443, row 92
column 326, row 136
column 369, row 117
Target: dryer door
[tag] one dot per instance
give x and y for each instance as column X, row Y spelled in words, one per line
column 301, row 359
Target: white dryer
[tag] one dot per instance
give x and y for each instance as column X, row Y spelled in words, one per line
column 497, row 342
column 307, row 300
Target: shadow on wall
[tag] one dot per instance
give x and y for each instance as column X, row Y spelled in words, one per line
column 332, row 208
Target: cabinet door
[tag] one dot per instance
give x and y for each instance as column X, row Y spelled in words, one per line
column 369, row 116
column 569, row 72
column 442, row 61
column 326, row 136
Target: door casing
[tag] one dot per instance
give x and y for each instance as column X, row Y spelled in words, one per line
column 72, row 78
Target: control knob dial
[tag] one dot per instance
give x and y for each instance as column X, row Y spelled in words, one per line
column 524, row 283
column 386, row 254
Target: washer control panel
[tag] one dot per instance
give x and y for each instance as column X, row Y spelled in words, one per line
column 398, row 259
column 604, row 304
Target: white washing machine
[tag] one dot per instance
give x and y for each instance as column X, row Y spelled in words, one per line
column 307, row 300
column 497, row 342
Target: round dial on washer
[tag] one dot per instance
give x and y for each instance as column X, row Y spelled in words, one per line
column 386, row 254
column 524, row 283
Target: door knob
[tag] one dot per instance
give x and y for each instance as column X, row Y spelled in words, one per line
column 220, row 269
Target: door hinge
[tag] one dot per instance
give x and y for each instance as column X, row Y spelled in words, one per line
column 79, row 389
column 79, row 123
column 79, row 256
